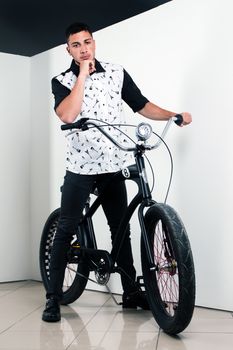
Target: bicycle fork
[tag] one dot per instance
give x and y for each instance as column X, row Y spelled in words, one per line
column 146, row 202
column 152, row 265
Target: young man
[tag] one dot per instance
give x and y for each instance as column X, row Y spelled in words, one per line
column 94, row 89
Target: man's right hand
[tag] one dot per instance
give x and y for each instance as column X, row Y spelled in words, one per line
column 87, row 67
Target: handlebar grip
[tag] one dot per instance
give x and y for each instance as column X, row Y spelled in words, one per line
column 76, row 125
column 178, row 119
column 67, row 126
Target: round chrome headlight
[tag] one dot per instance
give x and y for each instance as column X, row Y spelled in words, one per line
column 143, row 131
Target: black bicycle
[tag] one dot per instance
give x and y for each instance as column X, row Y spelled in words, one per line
column 168, row 275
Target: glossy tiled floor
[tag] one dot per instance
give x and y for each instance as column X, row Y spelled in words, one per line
column 95, row 322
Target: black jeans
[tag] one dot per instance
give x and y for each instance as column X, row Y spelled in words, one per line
column 75, row 191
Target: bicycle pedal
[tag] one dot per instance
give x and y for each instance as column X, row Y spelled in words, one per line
column 73, row 254
column 140, row 281
column 76, row 246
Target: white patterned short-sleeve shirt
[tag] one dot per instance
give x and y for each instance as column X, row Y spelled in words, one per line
column 90, row 152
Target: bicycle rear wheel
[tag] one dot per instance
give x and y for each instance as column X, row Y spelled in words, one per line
column 76, row 274
column 171, row 287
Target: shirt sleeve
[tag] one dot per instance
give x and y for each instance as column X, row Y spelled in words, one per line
column 59, row 91
column 131, row 94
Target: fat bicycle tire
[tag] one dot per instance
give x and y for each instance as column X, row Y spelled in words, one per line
column 76, row 274
column 170, row 287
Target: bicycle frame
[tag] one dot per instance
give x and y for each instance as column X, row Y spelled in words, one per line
column 137, row 173
column 143, row 198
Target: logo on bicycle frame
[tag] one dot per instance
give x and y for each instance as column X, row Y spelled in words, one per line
column 126, row 173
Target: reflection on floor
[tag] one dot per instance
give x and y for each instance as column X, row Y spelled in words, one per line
column 96, row 322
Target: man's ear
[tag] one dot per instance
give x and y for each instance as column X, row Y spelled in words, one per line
column 68, row 50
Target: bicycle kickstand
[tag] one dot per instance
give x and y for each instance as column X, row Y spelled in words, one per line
column 112, row 296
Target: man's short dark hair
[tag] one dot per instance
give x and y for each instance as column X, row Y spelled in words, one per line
column 76, row 28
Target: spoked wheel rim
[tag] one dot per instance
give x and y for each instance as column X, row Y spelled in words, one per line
column 167, row 269
column 168, row 272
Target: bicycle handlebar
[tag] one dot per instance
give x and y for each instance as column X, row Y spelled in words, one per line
column 84, row 123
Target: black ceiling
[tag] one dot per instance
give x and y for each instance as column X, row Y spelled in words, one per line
column 29, row 27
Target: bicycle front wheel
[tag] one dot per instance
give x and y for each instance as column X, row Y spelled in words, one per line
column 171, row 286
column 76, row 274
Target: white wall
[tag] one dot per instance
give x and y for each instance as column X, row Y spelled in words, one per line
column 180, row 54
column 40, row 160
column 15, row 161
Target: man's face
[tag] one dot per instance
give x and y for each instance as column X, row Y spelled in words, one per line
column 81, row 46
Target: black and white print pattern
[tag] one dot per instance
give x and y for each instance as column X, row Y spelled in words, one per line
column 90, row 152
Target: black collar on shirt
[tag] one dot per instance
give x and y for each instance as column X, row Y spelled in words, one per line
column 75, row 68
